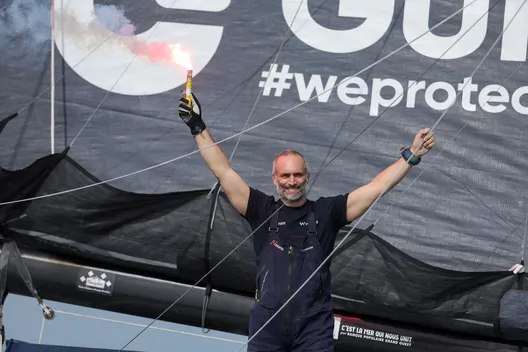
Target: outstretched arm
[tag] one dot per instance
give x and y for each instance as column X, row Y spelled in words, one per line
column 234, row 186
column 362, row 198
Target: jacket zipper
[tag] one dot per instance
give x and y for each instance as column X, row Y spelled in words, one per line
column 288, row 291
column 260, row 288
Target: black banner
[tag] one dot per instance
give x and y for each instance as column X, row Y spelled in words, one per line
column 358, row 335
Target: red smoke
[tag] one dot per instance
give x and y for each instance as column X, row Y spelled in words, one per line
column 111, row 17
column 160, row 51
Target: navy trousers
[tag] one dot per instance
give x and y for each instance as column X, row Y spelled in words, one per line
column 312, row 332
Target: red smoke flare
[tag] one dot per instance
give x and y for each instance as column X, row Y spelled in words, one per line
column 160, row 51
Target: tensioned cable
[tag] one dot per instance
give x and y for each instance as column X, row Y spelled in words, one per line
column 174, row 303
column 401, row 95
column 440, row 152
column 64, row 75
column 368, row 76
column 251, row 76
column 269, row 76
column 382, row 193
column 248, row 129
column 203, row 277
column 141, row 325
column 119, row 77
column 41, row 334
column 523, row 250
column 284, row 39
column 523, row 254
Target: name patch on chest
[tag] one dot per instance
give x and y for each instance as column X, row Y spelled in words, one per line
column 301, row 223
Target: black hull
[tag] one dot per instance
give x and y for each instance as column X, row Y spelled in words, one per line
column 57, row 279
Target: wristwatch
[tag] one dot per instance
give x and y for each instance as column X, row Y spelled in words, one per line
column 414, row 160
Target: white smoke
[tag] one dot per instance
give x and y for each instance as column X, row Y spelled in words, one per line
column 113, row 18
column 26, row 24
column 25, row 20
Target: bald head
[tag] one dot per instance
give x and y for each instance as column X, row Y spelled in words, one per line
column 287, row 157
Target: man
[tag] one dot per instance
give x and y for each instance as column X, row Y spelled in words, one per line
column 296, row 239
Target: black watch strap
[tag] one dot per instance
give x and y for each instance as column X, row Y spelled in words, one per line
column 409, row 157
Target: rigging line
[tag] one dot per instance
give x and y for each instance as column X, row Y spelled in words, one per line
column 120, row 76
column 396, row 99
column 440, row 152
column 284, row 39
column 352, row 108
column 243, row 131
column 52, row 77
column 64, row 75
column 504, row 239
column 474, row 195
column 412, row 182
column 523, row 253
column 264, row 85
column 203, row 277
column 479, row 64
column 41, row 334
column 142, row 325
column 381, row 194
column 251, row 76
column 416, row 178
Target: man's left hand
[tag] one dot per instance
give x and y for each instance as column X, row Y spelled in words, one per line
column 423, row 142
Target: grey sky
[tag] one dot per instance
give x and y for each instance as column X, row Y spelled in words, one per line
column 23, row 321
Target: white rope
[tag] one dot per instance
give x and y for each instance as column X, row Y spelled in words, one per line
column 117, row 81
column 174, row 331
column 42, row 330
column 52, row 73
column 262, row 90
column 64, row 75
column 523, row 249
column 382, row 193
column 243, row 131
column 401, row 95
column 121, row 75
column 267, row 79
column 203, row 277
column 440, row 152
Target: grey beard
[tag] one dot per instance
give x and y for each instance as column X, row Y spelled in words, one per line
column 297, row 196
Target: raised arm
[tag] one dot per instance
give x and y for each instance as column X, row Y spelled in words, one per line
column 234, row 186
column 362, row 198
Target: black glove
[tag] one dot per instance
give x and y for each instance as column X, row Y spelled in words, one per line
column 191, row 115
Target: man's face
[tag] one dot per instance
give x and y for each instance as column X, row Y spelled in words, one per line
column 290, row 177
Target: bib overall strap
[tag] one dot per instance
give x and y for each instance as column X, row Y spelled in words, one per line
column 274, row 221
column 312, row 224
